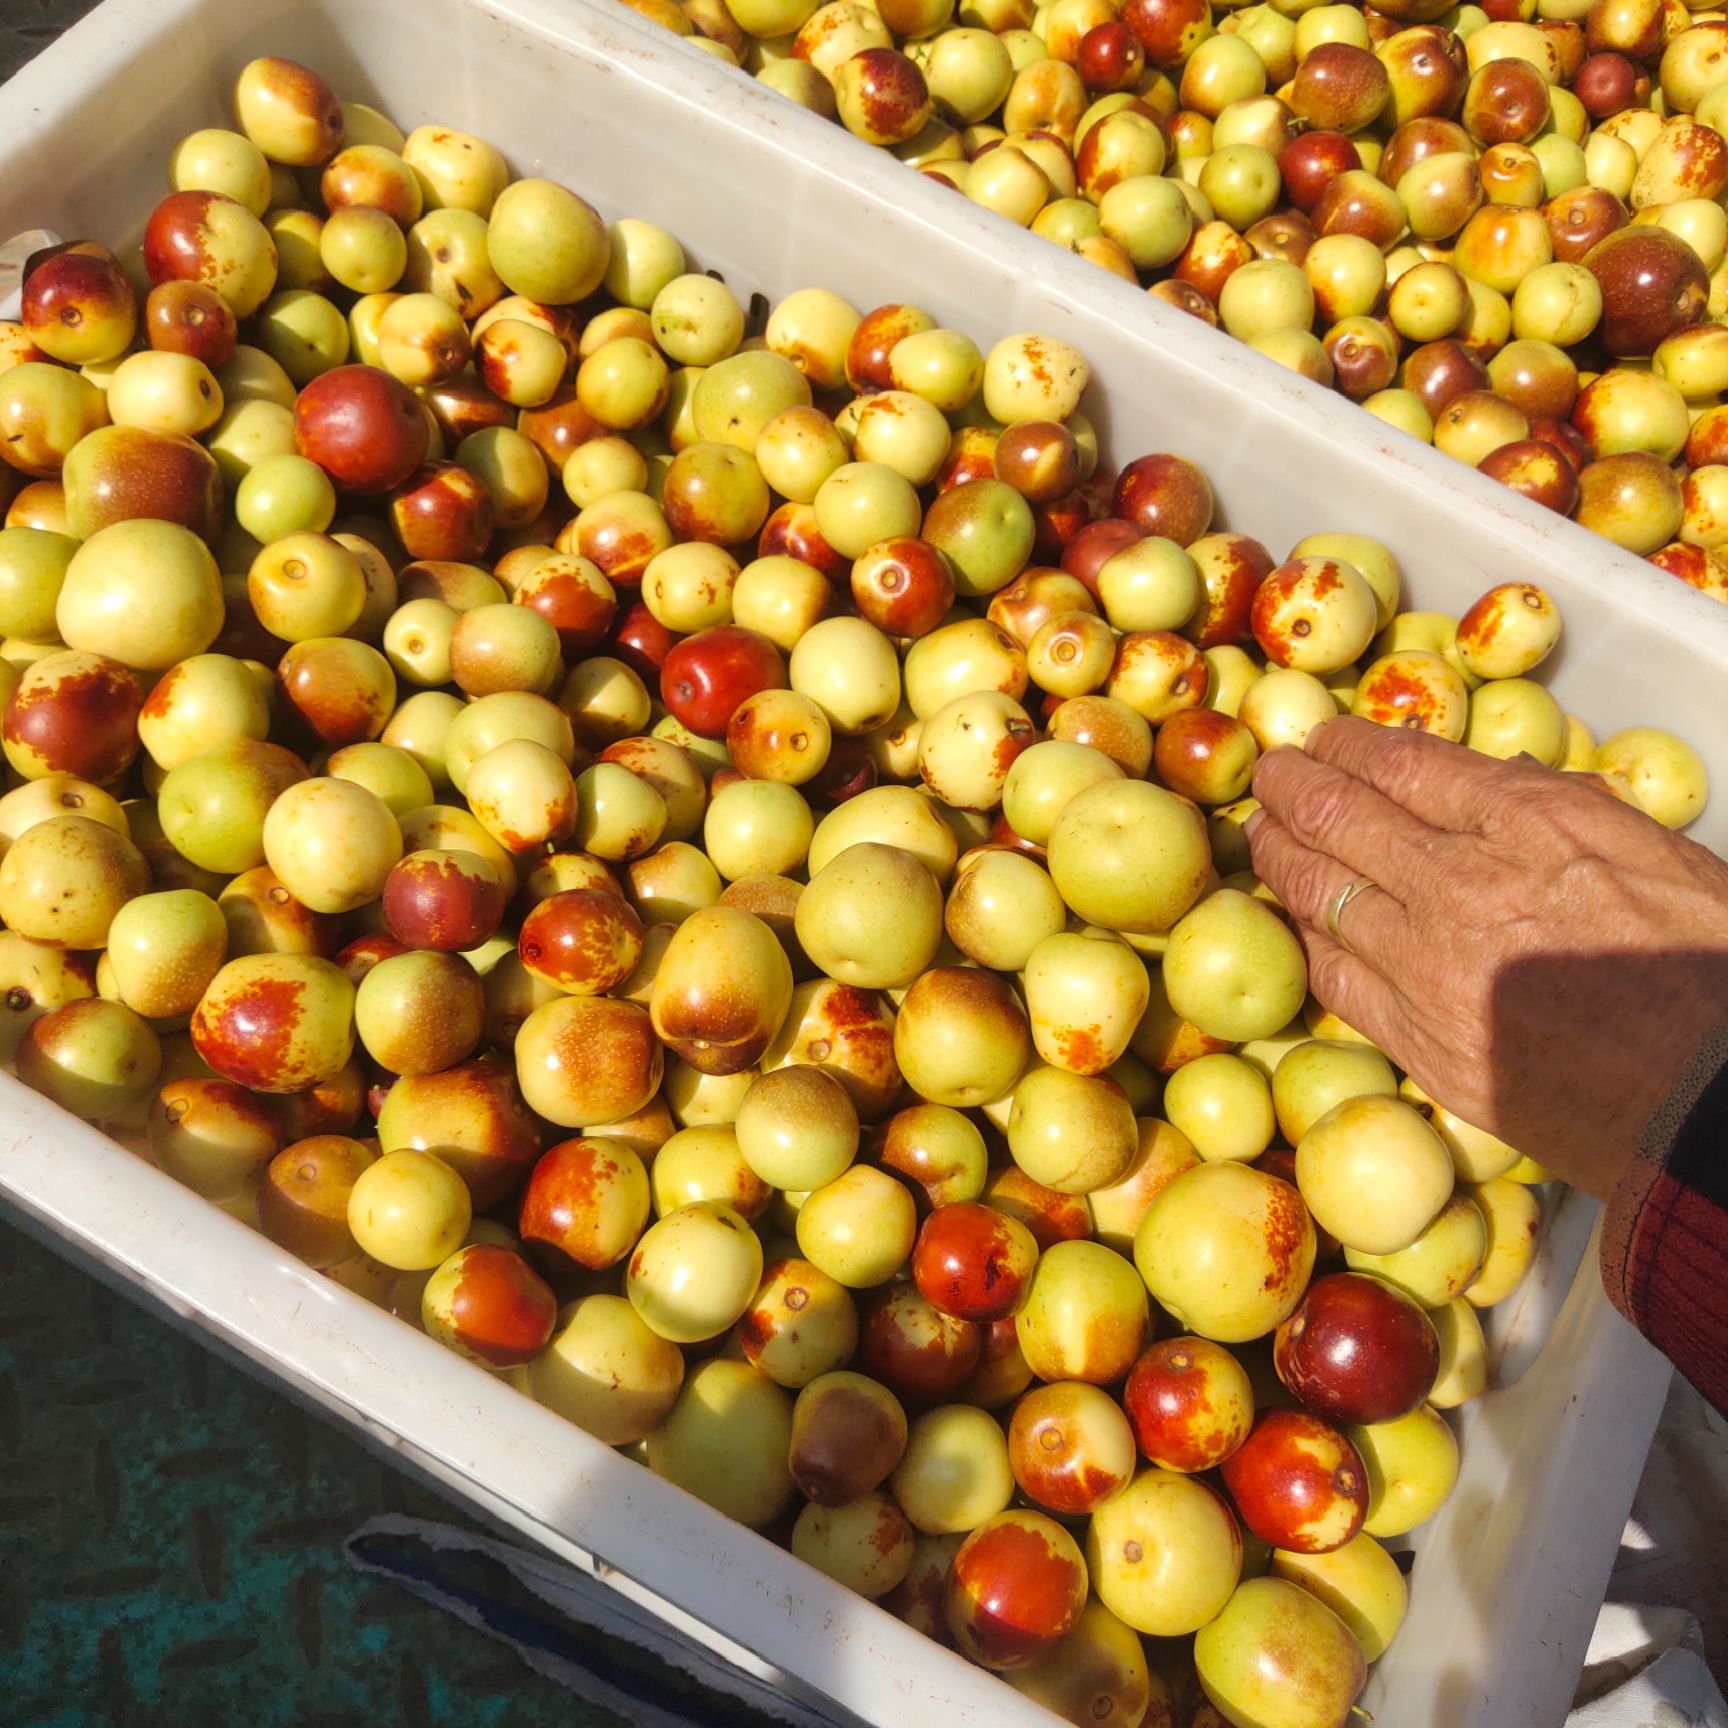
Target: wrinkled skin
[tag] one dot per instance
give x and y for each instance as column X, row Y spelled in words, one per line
column 1538, row 956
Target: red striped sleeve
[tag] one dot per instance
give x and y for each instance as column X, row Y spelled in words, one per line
column 1665, row 1236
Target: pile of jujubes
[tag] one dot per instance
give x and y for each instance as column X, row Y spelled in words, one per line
column 1498, row 227
column 698, row 858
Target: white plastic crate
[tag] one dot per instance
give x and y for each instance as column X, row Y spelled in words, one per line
column 1509, row 1574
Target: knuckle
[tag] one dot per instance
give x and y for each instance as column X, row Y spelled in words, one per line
column 1579, row 812
column 1362, row 745
column 1332, row 979
column 1303, row 885
column 1463, row 875
column 1586, row 881
column 1272, row 772
column 1270, row 848
column 1404, row 760
column 1538, row 838
column 1318, row 807
column 1539, row 795
column 1547, row 814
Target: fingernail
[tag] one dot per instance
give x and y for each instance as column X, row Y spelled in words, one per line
column 1254, row 819
column 1316, row 729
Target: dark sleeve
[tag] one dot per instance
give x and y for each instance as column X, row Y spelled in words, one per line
column 1665, row 1236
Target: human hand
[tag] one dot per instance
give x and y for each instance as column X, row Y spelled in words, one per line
column 1539, row 957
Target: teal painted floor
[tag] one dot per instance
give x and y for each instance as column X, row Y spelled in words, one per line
column 171, row 1544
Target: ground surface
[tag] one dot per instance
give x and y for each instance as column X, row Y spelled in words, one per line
column 171, row 1544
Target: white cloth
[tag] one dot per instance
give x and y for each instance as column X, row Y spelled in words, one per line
column 1666, row 1618
column 1646, row 1669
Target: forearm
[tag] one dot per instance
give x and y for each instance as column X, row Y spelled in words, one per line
column 1665, row 1237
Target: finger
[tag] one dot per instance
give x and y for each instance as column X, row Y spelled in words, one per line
column 1309, row 882
column 1440, row 783
column 1364, row 999
column 1333, row 812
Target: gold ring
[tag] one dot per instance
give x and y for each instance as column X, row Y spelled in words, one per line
column 1335, row 912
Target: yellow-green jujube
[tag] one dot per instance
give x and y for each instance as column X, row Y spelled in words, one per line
column 858, row 1228
column 546, row 243
column 1164, row 1555
column 331, row 843
column 1360, row 1582
column 694, row 1272
column 893, row 815
column 1129, row 856
column 1511, row 717
column 164, row 949
column 871, row 916
column 1412, row 1465
column 797, row 1128
column 1002, row 906
column 409, row 1210
column 1477, row 1155
column 1278, row 1655
column 607, row 1371
column 1463, row 1369
column 1513, row 1214
column 1234, row 969
column 1667, row 776
column 725, row 1439
column 1071, row 1132
column 1227, row 1250
column 145, row 593
column 866, row 1545
column 954, row 1473
column 1374, row 1173
column 1223, row 1106
column 1440, row 1265
column 1042, row 779
column 1322, row 1073
column 848, row 668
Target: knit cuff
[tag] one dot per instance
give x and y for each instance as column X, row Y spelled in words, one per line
column 1627, row 1227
